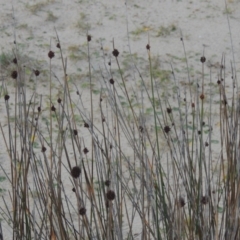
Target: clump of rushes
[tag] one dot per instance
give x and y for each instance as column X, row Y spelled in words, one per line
column 76, row 171
column 151, row 159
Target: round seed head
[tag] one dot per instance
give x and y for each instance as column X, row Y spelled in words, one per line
column 53, row 108
column 59, row 100
column 111, row 81
column 199, row 132
column 202, row 96
column 204, row 200
column 51, row 54
column 86, row 125
column 75, row 132
column 43, row 149
column 218, row 82
column 115, row 53
column 74, row 190
column 89, row 38
column 181, row 202
column 14, row 74
column 58, row 45
column 39, row 109
column 148, row 47
column 206, row 144
column 203, row 59
column 82, row 211
column 76, row 171
column 167, row 129
column 14, row 60
column 169, row 110
column 107, row 183
column 36, row 73
column 85, row 150
column 6, row 97
column 110, row 195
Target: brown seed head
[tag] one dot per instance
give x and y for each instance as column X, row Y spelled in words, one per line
column 181, row 202
column 107, row 183
column 110, row 195
column 58, row 45
column 53, row 108
column 36, row 73
column 169, row 110
column 74, row 190
column 86, row 125
column 6, row 97
column 203, row 59
column 148, row 47
column 111, row 81
column 43, row 149
column 14, row 74
column 89, row 38
column 82, row 211
column 204, row 200
column 39, row 109
column 167, row 129
column 206, row 144
column 202, row 96
column 76, row 171
column 14, row 60
column 193, row 105
column 51, row 54
column 75, row 132
column 115, row 53
column 59, row 100
column 85, row 150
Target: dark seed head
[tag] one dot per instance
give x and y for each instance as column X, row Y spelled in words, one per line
column 14, row 74
column 169, row 110
column 181, row 202
column 82, row 211
column 14, row 60
column 58, row 45
column 75, row 171
column 184, row 99
column 109, row 63
column 89, row 38
column 167, row 129
column 59, row 100
column 75, row 132
column 51, row 54
column 36, row 73
column 218, row 82
column 203, row 123
column 148, row 47
column 204, row 200
column 193, row 105
column 202, row 96
column 74, row 190
column 115, row 53
column 107, row 183
column 110, row 195
column 199, row 132
column 53, row 108
column 39, row 109
column 111, row 81
column 206, row 144
column 6, row 97
column 86, row 125
column 141, row 129
column 203, row 59
column 43, row 149
column 85, row 150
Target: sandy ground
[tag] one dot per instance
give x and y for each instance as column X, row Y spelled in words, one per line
column 202, row 24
